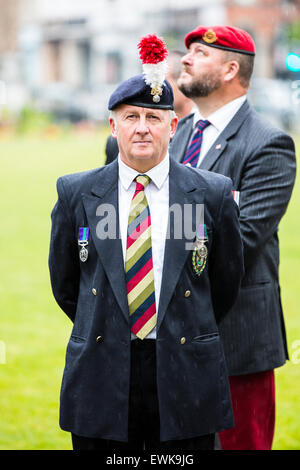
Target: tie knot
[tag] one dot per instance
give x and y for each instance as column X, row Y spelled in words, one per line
column 141, row 182
column 202, row 124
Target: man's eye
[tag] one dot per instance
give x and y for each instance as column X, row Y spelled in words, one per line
column 198, row 51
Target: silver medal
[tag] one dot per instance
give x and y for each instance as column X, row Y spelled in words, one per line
column 202, row 250
column 83, row 254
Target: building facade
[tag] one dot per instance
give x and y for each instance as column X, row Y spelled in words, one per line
column 75, row 52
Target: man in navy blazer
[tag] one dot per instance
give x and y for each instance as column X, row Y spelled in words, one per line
column 170, row 389
column 260, row 160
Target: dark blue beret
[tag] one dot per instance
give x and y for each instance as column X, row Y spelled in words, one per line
column 136, row 92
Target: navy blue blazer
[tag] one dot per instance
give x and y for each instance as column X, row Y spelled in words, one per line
column 192, row 383
column 260, row 161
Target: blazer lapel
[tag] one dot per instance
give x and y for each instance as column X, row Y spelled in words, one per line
column 182, row 194
column 220, row 144
column 104, row 197
column 101, row 207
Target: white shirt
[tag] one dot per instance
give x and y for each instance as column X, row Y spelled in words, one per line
column 157, row 194
column 218, row 121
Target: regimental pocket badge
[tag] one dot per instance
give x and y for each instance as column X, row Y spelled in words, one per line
column 83, row 241
column 200, row 250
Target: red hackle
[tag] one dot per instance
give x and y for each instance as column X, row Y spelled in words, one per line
column 152, row 49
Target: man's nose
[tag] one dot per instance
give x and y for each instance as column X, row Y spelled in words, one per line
column 142, row 126
column 186, row 59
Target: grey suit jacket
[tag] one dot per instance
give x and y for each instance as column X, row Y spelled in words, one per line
column 260, row 160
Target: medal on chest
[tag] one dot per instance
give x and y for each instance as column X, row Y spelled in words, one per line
column 200, row 250
column 83, row 241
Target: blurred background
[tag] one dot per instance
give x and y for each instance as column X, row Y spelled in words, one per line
column 65, row 57
column 59, row 62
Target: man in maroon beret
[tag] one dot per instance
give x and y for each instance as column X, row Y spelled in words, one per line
column 225, row 135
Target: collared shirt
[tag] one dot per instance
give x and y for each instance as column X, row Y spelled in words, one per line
column 157, row 194
column 218, row 121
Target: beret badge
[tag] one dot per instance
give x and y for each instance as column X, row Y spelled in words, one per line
column 153, row 53
column 156, row 92
column 209, row 36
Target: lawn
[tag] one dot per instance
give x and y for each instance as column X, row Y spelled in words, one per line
column 33, row 330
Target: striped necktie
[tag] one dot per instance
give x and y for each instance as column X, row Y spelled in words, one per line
column 193, row 152
column 139, row 263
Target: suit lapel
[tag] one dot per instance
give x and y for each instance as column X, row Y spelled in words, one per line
column 182, row 191
column 102, row 206
column 214, row 153
column 220, row 144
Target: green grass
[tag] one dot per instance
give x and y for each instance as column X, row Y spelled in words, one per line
column 33, row 328
column 287, row 433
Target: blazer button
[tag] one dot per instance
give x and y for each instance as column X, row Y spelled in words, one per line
column 99, row 339
column 94, row 291
column 182, row 340
column 187, row 293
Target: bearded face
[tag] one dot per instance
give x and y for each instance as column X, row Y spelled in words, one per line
column 201, row 86
column 202, row 69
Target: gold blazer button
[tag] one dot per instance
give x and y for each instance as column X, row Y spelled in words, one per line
column 94, row 291
column 99, row 339
column 187, row 293
column 182, row 340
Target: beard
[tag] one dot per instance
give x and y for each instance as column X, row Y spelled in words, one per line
column 200, row 87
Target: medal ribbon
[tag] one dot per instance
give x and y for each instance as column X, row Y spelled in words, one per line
column 84, row 233
column 201, row 231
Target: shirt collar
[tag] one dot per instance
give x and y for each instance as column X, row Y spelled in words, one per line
column 222, row 116
column 157, row 174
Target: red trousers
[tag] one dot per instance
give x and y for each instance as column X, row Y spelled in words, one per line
column 253, row 402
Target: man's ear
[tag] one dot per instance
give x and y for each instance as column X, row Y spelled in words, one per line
column 113, row 127
column 174, row 123
column 232, row 70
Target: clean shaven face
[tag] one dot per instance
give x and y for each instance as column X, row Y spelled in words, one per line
column 143, row 135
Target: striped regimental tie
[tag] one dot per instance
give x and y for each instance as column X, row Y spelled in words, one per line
column 139, row 263
column 193, row 152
